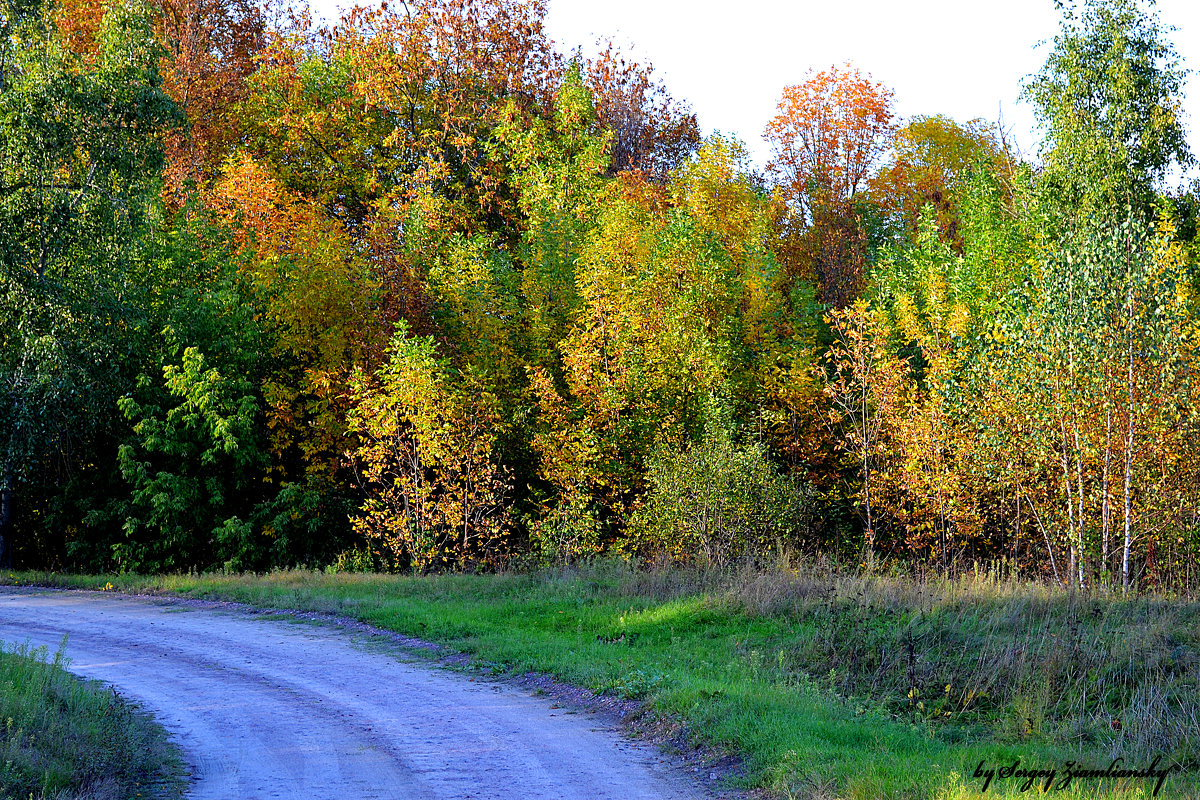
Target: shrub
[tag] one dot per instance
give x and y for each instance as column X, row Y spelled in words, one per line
column 718, row 501
column 567, row 533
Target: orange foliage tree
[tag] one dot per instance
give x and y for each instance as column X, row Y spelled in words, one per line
column 865, row 383
column 396, row 102
column 829, row 136
column 211, row 47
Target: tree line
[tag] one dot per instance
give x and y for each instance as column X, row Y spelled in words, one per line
column 416, row 291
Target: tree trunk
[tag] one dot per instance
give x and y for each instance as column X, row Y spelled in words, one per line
column 1128, row 514
column 6, row 516
column 1128, row 467
column 1045, row 535
column 1079, row 499
column 866, row 461
column 1073, row 553
column 867, row 498
column 1017, row 539
column 1106, row 507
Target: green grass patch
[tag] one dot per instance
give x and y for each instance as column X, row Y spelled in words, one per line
column 68, row 739
column 826, row 684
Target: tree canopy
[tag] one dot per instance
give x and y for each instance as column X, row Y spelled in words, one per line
column 417, row 291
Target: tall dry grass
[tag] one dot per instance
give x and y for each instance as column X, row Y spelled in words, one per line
column 1017, row 660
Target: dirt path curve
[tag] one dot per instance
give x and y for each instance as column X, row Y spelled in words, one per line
column 267, row 709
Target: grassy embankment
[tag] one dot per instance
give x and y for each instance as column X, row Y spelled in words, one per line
column 829, row 685
column 67, row 739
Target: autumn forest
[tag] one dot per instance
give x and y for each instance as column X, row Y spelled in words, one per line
column 420, row 291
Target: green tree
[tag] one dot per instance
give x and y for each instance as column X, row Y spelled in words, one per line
column 682, row 300
column 191, row 463
column 79, row 161
column 935, row 162
column 1109, row 100
column 558, row 170
column 1097, row 386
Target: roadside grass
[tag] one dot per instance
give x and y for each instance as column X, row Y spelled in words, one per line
column 827, row 684
column 68, row 739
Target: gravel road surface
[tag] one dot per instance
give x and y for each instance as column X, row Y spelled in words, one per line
column 264, row 708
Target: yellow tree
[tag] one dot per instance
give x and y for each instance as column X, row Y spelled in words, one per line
column 682, row 303
column 401, row 101
column 928, row 297
column 435, row 492
column 558, row 167
column 864, row 383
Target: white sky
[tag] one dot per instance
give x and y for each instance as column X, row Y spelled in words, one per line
column 730, row 61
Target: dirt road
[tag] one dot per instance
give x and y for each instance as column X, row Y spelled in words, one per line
column 264, row 708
